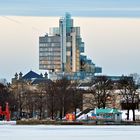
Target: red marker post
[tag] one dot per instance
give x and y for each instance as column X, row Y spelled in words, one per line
column 6, row 112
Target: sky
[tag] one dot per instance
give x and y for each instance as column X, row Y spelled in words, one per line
column 99, row 8
column 109, row 28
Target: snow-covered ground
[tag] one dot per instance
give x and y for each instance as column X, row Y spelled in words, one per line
column 7, row 122
column 49, row 132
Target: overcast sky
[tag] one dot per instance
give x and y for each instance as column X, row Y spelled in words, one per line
column 110, row 29
column 124, row 8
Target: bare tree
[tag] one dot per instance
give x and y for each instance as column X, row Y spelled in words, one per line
column 30, row 103
column 101, row 90
column 51, row 96
column 40, row 100
column 62, row 88
column 136, row 78
column 62, row 97
column 76, row 97
column 19, row 88
column 130, row 98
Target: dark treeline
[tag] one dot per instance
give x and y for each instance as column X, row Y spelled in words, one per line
column 48, row 99
column 55, row 99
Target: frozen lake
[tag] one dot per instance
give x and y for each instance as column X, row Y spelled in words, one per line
column 49, row 132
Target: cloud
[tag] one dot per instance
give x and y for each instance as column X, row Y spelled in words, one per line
column 89, row 8
column 114, row 9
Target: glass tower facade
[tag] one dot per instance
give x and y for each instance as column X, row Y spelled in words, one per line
column 61, row 50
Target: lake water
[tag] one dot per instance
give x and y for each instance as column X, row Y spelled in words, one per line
column 49, row 132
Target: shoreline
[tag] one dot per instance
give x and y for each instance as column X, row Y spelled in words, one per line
column 46, row 122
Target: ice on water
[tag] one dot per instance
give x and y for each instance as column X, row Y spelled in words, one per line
column 49, row 132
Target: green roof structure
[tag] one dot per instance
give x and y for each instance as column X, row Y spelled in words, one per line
column 107, row 111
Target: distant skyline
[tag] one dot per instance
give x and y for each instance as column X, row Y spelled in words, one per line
column 109, row 28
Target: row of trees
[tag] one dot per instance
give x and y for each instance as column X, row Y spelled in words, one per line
column 104, row 89
column 48, row 99
column 55, row 99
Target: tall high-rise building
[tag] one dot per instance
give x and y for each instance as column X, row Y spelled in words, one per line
column 61, row 50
